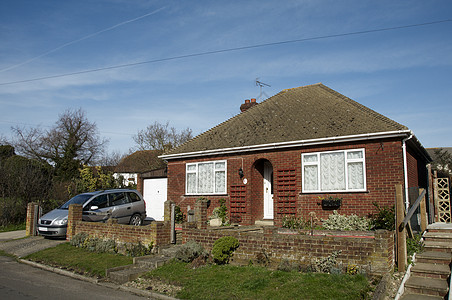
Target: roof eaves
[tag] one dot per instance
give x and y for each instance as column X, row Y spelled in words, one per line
column 282, row 145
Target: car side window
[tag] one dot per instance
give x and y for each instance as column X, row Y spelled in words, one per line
column 134, row 197
column 100, row 201
column 118, row 199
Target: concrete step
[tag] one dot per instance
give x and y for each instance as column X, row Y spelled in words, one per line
column 434, row 257
column 125, row 274
column 438, row 236
column 440, row 227
column 151, row 262
column 141, row 265
column 264, row 223
column 438, row 246
column 430, row 270
column 420, row 297
column 426, row 286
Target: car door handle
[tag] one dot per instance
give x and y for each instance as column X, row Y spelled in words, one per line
column 129, row 207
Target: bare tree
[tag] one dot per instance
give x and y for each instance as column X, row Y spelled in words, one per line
column 70, row 143
column 161, row 137
column 110, row 159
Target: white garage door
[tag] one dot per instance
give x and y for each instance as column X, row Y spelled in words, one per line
column 154, row 193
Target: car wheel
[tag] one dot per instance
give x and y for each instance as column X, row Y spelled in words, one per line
column 135, row 220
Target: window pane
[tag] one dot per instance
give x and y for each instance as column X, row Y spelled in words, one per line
column 332, row 170
column 220, row 182
column 355, row 155
column 220, row 165
column 356, row 176
column 191, row 183
column 191, row 167
column 310, row 158
column 310, row 178
column 205, row 178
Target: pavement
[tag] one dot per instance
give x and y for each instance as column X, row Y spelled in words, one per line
column 11, row 235
column 16, row 243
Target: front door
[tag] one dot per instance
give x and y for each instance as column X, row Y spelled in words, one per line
column 268, row 191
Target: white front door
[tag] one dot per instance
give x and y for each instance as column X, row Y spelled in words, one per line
column 155, row 195
column 268, row 191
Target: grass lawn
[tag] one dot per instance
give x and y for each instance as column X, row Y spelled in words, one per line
column 253, row 282
column 12, row 227
column 79, row 260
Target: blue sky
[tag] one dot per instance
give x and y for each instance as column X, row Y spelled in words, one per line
column 405, row 74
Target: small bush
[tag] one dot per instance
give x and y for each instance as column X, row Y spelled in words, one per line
column 79, row 239
column 287, row 266
column 326, row 264
column 223, row 249
column 384, row 218
column 138, row 249
column 179, row 215
column 190, row 251
column 292, row 222
column 336, row 221
column 221, row 212
column 262, row 258
column 414, row 245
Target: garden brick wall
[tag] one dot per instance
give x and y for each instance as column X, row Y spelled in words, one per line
column 384, row 169
column 156, row 232
column 372, row 252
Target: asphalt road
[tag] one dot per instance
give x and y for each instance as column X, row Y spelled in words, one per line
column 20, row 281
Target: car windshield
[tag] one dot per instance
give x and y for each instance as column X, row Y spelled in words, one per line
column 79, row 199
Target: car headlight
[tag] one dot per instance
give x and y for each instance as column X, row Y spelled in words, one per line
column 61, row 222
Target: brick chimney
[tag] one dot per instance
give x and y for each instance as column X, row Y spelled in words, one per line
column 248, row 103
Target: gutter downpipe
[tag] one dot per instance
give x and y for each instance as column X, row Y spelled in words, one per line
column 405, row 171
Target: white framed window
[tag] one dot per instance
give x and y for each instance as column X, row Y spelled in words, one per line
column 334, row 171
column 205, row 178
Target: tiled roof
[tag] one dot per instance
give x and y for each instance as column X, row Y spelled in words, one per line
column 303, row 113
column 141, row 161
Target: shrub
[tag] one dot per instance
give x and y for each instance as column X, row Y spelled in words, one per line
column 223, row 249
column 221, row 212
column 179, row 215
column 292, row 222
column 336, row 221
column 414, row 245
column 326, row 264
column 138, row 249
column 262, row 258
column 190, row 251
column 384, row 218
column 79, row 239
column 287, row 266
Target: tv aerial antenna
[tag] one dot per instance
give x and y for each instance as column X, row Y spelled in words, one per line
column 261, row 85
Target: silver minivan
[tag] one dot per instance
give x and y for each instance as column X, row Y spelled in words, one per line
column 125, row 205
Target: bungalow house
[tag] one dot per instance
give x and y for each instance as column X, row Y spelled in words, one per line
column 145, row 170
column 285, row 155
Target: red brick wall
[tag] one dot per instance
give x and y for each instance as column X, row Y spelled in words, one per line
column 156, row 232
column 372, row 251
column 384, row 169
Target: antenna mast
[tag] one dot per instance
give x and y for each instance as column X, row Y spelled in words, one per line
column 260, row 84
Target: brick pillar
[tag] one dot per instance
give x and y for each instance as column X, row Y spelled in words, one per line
column 140, row 184
column 74, row 215
column 201, row 213
column 384, row 245
column 167, row 211
column 32, row 218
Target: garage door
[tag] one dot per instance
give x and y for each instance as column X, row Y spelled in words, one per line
column 154, row 193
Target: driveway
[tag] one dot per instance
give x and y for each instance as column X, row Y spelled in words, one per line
column 15, row 242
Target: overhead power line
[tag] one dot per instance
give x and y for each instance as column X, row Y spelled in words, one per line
column 81, row 39
column 226, row 50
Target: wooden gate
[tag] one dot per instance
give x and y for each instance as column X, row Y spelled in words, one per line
column 442, row 199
